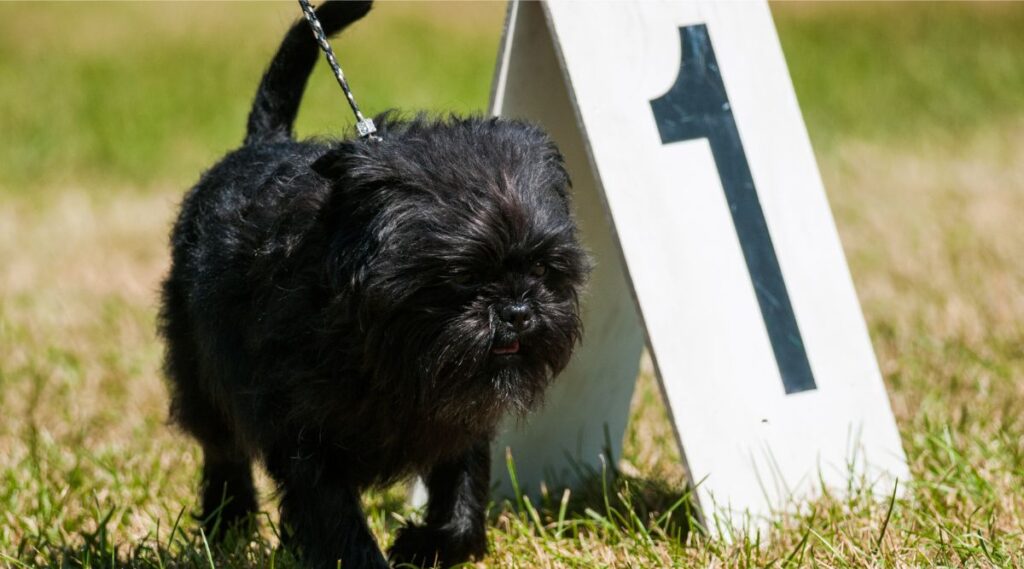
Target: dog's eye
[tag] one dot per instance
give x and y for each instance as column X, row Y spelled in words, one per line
column 461, row 279
column 538, row 269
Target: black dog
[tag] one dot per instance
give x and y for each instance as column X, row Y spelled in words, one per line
column 354, row 312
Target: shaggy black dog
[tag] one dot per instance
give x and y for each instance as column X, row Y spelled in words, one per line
column 354, row 312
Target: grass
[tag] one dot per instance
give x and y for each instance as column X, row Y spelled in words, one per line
column 108, row 111
column 137, row 94
column 909, row 72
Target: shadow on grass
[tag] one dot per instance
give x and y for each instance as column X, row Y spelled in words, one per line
column 608, row 503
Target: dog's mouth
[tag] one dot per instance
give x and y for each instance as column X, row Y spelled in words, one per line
column 506, row 349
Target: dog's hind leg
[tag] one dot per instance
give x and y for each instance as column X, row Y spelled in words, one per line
column 228, row 492
column 228, row 495
column 455, row 528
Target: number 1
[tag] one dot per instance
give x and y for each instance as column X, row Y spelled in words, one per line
column 697, row 106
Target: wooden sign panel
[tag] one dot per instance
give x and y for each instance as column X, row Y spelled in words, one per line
column 698, row 193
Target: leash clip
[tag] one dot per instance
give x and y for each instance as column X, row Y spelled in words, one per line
column 366, row 128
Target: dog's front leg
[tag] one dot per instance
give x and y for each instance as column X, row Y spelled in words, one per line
column 323, row 519
column 456, row 525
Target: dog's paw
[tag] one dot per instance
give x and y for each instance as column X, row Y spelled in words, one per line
column 420, row 546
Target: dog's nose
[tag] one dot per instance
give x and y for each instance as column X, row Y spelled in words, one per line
column 517, row 314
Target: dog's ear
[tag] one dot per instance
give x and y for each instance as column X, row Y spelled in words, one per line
column 358, row 177
column 354, row 163
column 334, row 163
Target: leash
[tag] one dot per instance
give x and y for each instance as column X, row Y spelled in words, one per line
column 364, row 126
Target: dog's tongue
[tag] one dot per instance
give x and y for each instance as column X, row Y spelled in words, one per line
column 509, row 349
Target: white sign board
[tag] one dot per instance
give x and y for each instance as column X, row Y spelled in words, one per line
column 697, row 191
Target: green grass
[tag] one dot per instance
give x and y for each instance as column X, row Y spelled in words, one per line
column 108, row 111
column 132, row 95
column 143, row 94
column 904, row 72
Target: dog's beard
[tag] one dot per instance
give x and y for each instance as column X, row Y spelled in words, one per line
column 474, row 376
column 442, row 346
column 449, row 357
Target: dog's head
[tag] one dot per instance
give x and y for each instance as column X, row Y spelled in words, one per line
column 468, row 270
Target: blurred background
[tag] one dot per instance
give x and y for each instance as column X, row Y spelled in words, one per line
column 110, row 111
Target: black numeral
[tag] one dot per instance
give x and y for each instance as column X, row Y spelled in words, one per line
column 697, row 106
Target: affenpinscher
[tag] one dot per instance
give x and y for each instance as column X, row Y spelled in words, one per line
column 354, row 312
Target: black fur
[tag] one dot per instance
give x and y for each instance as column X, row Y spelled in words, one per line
column 345, row 312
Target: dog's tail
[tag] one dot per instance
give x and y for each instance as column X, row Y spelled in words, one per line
column 277, row 100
